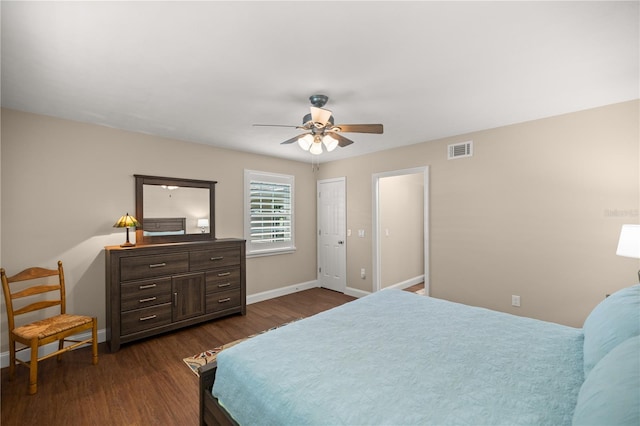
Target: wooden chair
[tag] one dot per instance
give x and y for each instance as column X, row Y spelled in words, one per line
column 45, row 331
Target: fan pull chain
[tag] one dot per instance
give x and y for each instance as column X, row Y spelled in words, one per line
column 315, row 163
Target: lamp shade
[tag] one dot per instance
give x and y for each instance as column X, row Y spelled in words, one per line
column 203, row 223
column 316, row 148
column 629, row 243
column 305, row 142
column 126, row 221
column 329, row 142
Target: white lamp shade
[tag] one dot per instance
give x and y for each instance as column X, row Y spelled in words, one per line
column 629, row 243
column 320, row 115
column 316, row 148
column 203, row 223
column 329, row 142
column 305, row 142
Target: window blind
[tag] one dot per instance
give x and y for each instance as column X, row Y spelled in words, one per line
column 270, row 210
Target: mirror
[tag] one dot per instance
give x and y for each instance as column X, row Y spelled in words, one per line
column 174, row 210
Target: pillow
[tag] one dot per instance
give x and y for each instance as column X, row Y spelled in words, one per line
column 613, row 321
column 611, row 393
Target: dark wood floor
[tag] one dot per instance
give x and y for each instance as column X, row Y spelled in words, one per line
column 415, row 288
column 145, row 383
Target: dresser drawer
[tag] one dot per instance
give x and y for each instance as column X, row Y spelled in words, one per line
column 207, row 259
column 137, row 267
column 223, row 300
column 145, row 318
column 141, row 294
column 223, row 279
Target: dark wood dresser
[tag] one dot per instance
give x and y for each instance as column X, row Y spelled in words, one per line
column 162, row 287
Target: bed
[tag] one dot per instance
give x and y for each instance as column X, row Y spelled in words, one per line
column 395, row 357
column 156, row 226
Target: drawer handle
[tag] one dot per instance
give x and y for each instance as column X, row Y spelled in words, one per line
column 224, row 274
column 217, row 258
column 228, row 299
column 150, row 317
column 157, row 265
column 144, row 287
column 224, row 285
column 148, row 299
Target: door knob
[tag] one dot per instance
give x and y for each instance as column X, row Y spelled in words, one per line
column 340, row 242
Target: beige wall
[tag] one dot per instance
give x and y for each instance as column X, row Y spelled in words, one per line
column 401, row 232
column 64, row 184
column 536, row 212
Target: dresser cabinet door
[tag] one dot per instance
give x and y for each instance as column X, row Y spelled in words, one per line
column 188, row 295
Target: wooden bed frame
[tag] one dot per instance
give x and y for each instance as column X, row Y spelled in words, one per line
column 211, row 412
column 165, row 224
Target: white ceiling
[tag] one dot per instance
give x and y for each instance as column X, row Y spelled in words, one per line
column 206, row 71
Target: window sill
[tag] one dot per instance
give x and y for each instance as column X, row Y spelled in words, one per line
column 273, row 252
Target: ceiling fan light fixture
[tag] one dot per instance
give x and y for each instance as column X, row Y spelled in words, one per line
column 329, row 142
column 321, row 129
column 305, row 142
column 316, row 148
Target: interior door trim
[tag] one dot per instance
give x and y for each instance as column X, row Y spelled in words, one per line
column 375, row 181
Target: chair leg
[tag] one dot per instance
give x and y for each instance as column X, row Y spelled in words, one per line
column 12, row 358
column 60, row 346
column 94, row 343
column 33, row 368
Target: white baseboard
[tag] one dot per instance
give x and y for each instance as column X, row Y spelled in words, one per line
column 354, row 292
column 50, row 348
column 272, row 294
column 283, row 291
column 408, row 283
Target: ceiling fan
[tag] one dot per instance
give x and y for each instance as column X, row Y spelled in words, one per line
column 321, row 130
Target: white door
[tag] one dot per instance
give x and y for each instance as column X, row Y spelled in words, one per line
column 332, row 252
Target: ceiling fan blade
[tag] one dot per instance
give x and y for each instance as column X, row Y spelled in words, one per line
column 294, row 139
column 275, row 125
column 320, row 115
column 342, row 141
column 359, row 128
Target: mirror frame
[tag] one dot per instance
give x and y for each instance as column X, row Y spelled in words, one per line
column 142, row 180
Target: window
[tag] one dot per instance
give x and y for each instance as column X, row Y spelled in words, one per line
column 268, row 213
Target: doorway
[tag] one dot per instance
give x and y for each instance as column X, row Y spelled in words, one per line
column 400, row 228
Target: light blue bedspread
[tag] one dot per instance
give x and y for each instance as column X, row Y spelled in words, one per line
column 396, row 358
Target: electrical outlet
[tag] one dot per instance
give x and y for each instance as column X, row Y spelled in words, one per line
column 362, row 274
column 515, row 300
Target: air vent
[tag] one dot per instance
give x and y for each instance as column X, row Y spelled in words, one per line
column 460, row 150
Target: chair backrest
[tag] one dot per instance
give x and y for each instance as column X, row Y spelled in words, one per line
column 38, row 286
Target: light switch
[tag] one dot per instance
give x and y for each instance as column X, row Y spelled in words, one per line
column 361, row 233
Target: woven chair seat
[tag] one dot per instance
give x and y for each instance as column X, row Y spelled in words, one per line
column 50, row 326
